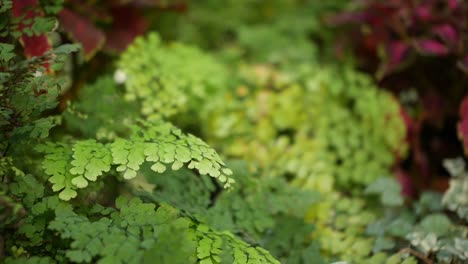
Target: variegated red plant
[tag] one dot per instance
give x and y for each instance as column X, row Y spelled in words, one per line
column 418, row 45
column 402, row 28
column 111, row 25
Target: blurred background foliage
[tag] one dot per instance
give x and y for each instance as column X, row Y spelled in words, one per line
column 344, row 122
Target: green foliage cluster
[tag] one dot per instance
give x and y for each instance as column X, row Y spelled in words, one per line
column 424, row 227
column 132, row 232
column 256, row 209
column 355, row 140
column 95, row 107
column 267, row 125
column 262, row 31
column 455, row 198
column 295, row 169
column 26, row 90
column 15, row 26
column 42, row 224
column 180, row 76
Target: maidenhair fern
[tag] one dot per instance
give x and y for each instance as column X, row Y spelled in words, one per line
column 122, row 176
column 131, row 232
column 93, row 112
column 26, row 91
column 360, row 124
column 311, row 127
column 269, row 125
column 122, row 235
column 211, row 244
column 253, row 210
column 181, row 77
column 72, row 166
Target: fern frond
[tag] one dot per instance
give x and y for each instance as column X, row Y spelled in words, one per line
column 72, row 166
column 131, row 234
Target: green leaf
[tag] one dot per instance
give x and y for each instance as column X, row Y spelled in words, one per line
column 388, row 189
column 129, row 174
column 158, row 167
column 383, row 243
column 67, row 48
column 80, row 182
column 438, row 224
column 6, row 52
column 67, row 194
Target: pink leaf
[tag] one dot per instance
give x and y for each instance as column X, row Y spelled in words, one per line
column 431, row 47
column 452, row 4
column 446, row 32
column 397, row 52
column 423, row 13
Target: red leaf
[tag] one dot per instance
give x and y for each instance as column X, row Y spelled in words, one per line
column 128, row 24
column 431, row 47
column 82, row 30
column 397, row 52
column 36, row 45
column 26, row 8
column 92, row 11
column 463, row 124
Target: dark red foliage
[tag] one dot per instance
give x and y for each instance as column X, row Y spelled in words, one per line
column 112, row 25
column 446, row 33
column 82, row 30
column 463, row 124
column 431, row 47
column 425, row 27
column 128, row 24
column 397, row 50
column 419, row 45
column 36, row 45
